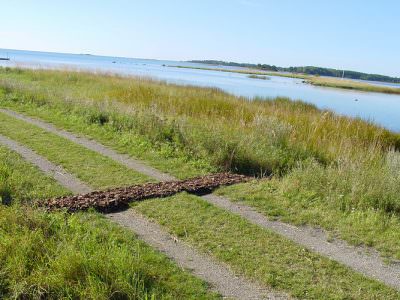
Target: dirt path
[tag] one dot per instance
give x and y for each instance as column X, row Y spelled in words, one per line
column 365, row 261
column 220, row 278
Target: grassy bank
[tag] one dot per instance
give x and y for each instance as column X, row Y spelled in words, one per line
column 351, row 85
column 59, row 256
column 259, row 77
column 331, row 171
column 248, row 249
column 247, row 71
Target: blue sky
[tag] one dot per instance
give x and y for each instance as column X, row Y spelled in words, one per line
column 352, row 34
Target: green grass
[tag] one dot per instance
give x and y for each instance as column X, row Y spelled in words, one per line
column 259, row 253
column 156, row 126
column 349, row 203
column 280, row 131
column 82, row 256
column 164, row 125
column 21, row 182
column 163, row 156
column 79, row 256
column 90, row 167
column 351, row 85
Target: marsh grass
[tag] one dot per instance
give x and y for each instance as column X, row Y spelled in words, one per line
column 351, row 85
column 203, row 122
column 259, row 77
column 326, row 167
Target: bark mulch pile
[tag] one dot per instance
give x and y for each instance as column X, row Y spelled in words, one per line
column 119, row 198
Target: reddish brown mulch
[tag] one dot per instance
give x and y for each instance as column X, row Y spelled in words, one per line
column 118, row 198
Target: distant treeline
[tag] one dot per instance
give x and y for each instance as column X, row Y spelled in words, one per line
column 310, row 70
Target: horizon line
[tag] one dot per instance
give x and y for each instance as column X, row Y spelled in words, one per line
column 190, row 60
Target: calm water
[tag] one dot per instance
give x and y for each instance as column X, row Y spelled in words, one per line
column 383, row 109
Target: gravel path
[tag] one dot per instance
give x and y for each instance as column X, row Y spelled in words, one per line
column 220, row 278
column 365, row 261
column 362, row 260
column 97, row 147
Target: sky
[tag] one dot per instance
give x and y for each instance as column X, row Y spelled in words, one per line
column 353, row 34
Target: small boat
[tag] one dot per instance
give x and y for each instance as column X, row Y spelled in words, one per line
column 5, row 58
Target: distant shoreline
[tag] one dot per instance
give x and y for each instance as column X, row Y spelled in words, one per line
column 308, row 70
column 313, row 80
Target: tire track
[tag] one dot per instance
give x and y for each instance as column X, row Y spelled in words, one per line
column 365, row 261
column 94, row 146
column 57, row 172
column 217, row 275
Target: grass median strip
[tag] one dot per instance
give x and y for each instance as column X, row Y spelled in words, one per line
column 258, row 253
column 90, row 167
column 80, row 256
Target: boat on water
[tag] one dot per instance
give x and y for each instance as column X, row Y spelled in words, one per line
column 5, row 58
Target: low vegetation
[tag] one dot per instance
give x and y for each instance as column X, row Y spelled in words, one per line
column 351, row 85
column 80, row 256
column 59, row 255
column 259, row 77
column 335, row 172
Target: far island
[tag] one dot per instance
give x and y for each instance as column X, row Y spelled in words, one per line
column 312, row 75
